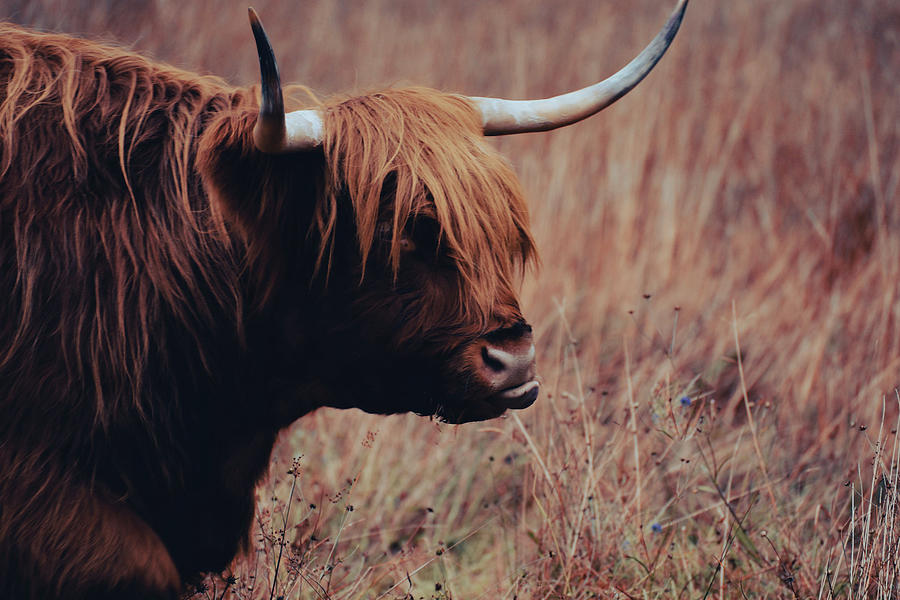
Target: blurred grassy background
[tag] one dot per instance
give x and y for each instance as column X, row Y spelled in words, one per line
column 743, row 196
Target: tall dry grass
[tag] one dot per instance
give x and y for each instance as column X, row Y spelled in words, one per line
column 718, row 310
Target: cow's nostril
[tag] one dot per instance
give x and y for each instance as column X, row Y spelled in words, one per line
column 493, row 359
column 506, row 368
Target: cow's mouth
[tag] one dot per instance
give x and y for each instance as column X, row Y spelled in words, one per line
column 518, row 397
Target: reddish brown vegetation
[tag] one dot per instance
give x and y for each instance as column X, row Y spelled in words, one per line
column 741, row 171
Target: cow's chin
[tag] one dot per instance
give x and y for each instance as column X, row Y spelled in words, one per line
column 452, row 391
column 490, row 406
column 443, row 403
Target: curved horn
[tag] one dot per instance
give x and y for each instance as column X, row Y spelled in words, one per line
column 502, row 117
column 276, row 132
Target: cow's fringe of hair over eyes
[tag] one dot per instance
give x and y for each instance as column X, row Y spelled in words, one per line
column 104, row 224
column 414, row 151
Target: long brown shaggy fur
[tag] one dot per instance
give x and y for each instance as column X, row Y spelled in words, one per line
column 109, row 245
column 173, row 297
column 109, row 251
column 376, row 141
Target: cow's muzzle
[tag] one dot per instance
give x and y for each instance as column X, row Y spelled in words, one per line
column 506, row 366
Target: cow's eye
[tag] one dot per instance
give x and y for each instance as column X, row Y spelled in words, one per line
column 407, row 244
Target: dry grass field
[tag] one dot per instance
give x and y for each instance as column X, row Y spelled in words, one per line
column 717, row 309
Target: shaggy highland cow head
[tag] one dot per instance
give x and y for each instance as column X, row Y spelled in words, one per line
column 417, row 230
column 439, row 239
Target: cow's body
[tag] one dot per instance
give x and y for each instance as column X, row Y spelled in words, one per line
column 170, row 304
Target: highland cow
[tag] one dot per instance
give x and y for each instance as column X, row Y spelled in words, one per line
column 186, row 269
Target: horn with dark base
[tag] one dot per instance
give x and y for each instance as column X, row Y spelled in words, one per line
column 275, row 131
